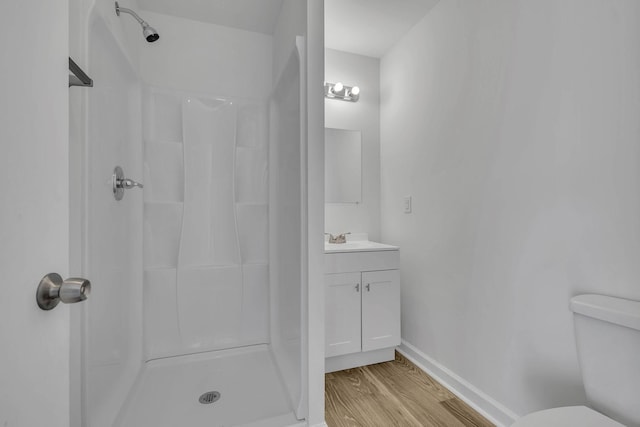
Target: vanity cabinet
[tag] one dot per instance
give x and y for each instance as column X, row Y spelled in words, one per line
column 362, row 311
column 380, row 309
column 343, row 312
column 362, row 308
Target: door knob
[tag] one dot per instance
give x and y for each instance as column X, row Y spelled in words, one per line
column 52, row 289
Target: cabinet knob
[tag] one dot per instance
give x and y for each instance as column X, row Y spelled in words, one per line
column 368, row 287
column 357, row 287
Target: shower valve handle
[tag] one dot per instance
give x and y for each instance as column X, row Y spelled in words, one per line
column 120, row 183
column 128, row 183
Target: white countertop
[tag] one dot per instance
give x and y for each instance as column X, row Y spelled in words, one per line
column 357, row 246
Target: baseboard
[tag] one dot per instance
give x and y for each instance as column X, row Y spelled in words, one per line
column 481, row 402
column 361, row 358
column 322, row 424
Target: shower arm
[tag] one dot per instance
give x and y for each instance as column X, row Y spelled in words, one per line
column 149, row 33
column 132, row 13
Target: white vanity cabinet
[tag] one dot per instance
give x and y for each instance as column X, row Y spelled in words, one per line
column 362, row 307
column 380, row 309
column 343, row 312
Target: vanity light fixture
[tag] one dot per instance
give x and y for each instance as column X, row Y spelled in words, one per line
column 341, row 92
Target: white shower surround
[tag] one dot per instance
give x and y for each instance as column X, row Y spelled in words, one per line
column 112, row 324
column 205, row 221
column 288, row 266
column 206, row 254
column 251, row 394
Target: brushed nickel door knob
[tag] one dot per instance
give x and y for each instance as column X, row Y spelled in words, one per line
column 52, row 289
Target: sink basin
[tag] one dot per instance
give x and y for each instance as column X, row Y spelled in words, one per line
column 357, row 246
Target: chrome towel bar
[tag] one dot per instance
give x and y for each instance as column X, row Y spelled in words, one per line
column 79, row 77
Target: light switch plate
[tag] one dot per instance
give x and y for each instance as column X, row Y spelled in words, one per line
column 407, row 204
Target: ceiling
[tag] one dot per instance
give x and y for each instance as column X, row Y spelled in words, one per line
column 365, row 27
column 252, row 15
column 370, row 27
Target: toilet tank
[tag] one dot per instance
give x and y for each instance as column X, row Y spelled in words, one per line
column 608, row 343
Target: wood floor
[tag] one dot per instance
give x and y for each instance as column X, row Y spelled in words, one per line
column 394, row 393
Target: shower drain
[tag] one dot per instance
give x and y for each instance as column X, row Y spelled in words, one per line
column 209, row 397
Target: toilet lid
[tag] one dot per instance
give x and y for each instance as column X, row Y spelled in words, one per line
column 569, row 416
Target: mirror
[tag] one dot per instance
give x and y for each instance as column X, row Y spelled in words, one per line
column 342, row 166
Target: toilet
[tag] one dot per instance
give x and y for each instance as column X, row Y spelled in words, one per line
column 607, row 331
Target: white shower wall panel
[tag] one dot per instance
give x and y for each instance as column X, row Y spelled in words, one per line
column 166, row 110
column 252, row 165
column 112, row 326
column 255, row 319
column 286, row 227
column 161, row 329
column 206, row 219
column 209, row 231
column 206, row 243
column 199, row 57
column 165, row 160
column 210, row 307
column 252, row 123
column 161, row 233
column 253, row 233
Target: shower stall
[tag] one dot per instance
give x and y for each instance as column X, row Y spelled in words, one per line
column 197, row 314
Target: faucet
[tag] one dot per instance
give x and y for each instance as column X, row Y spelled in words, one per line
column 340, row 238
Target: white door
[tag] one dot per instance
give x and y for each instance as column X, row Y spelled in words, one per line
column 34, row 207
column 342, row 313
column 380, row 309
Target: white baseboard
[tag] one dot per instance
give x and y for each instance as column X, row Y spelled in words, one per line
column 322, row 424
column 481, row 402
column 361, row 358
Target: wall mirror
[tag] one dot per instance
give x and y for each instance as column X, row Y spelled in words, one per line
column 342, row 166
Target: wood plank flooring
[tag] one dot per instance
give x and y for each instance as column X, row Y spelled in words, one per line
column 395, row 393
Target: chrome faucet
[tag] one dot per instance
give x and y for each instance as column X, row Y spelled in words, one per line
column 340, row 238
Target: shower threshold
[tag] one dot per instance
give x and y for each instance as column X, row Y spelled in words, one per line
column 241, row 388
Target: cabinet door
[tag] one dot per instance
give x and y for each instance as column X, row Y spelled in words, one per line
column 342, row 314
column 380, row 309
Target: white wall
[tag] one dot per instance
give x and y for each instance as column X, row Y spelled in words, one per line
column 514, row 126
column 364, row 115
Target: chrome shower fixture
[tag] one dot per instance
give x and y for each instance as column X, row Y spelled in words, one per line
column 341, row 92
column 150, row 34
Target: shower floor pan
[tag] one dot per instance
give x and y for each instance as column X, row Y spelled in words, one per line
column 251, row 394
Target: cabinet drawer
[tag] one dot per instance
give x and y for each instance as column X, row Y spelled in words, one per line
column 361, row 261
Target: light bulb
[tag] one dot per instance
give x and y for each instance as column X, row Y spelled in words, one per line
column 338, row 87
column 355, row 91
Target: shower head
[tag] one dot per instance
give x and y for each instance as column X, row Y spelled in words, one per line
column 149, row 33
